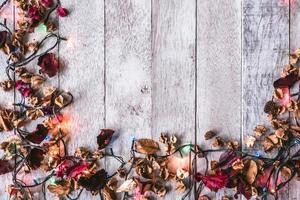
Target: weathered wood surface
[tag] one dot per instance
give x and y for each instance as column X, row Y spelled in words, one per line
column 144, row 67
column 128, row 74
column 265, row 52
column 218, row 74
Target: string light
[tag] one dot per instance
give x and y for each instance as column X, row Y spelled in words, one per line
column 42, row 27
column 186, row 149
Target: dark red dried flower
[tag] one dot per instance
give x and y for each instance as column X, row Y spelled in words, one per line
column 34, row 13
column 71, row 168
column 287, row 81
column 47, row 3
column 3, row 38
column 95, row 182
column 24, row 88
column 213, row 182
column 49, row 64
column 35, row 157
column 38, row 135
column 5, row 166
column 62, row 12
column 244, row 189
column 104, row 138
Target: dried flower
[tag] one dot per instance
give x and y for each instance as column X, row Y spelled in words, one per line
column 24, row 88
column 213, row 182
column 62, row 12
column 104, row 138
column 209, row 135
column 250, row 140
column 49, row 64
column 34, row 13
column 95, row 182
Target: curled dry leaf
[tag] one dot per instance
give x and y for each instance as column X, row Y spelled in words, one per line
column 250, row 171
column 209, row 135
column 127, row 186
column 33, row 114
column 36, row 80
column 286, row 172
column 61, row 189
column 250, row 140
column 108, row 194
column 146, row 146
column 59, row 101
column 260, row 130
column 180, row 186
column 7, row 85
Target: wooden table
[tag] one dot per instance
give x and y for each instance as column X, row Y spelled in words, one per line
column 144, row 67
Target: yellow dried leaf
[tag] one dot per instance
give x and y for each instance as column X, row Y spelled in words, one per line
column 59, row 101
column 146, row 146
column 250, row 171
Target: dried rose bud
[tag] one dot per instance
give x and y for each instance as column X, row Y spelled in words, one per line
column 271, row 108
column 62, row 12
column 209, row 135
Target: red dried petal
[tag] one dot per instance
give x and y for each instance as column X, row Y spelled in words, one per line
column 244, row 189
column 47, row 3
column 213, row 182
column 34, row 13
column 5, row 166
column 104, row 138
column 62, row 12
column 38, row 135
column 76, row 170
column 49, row 64
column 24, row 88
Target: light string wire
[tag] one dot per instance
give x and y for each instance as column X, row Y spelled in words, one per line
column 283, row 155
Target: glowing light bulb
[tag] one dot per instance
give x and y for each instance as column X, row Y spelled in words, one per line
column 186, row 149
column 257, row 154
column 42, row 27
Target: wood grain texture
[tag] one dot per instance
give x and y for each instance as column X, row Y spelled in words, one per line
column 265, row 52
column 128, row 74
column 218, row 74
column 294, row 44
column 173, row 65
column 6, row 97
column 83, row 72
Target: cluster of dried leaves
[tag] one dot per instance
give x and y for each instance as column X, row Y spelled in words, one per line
column 150, row 170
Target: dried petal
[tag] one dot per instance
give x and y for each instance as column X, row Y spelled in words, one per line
column 104, row 138
column 49, row 64
column 209, row 135
column 146, row 146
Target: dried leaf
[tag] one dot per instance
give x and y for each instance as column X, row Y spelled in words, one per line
column 250, row 140
column 59, row 101
column 209, row 135
column 250, row 171
column 180, row 186
column 61, row 189
column 33, row 114
column 108, row 194
column 146, row 146
column 127, row 186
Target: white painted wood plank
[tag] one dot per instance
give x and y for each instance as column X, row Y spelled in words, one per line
column 218, row 74
column 173, row 92
column 128, row 74
column 6, row 97
column 265, row 52
column 83, row 73
column 294, row 44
